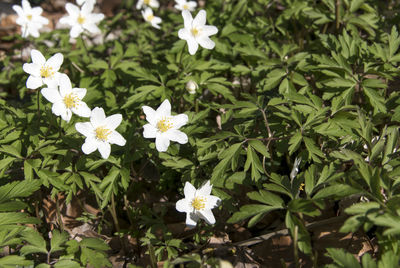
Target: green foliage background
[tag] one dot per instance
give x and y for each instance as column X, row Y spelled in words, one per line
column 288, row 79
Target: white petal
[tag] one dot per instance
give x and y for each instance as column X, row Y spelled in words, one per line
column 179, row 120
column 85, row 129
column 206, row 42
column 139, row 4
column 113, row 121
column 178, row 136
column 26, row 6
column 66, row 20
column 37, row 57
column 191, row 219
column 51, row 94
column 97, row 117
column 66, row 115
column 42, row 20
column 192, row 45
column 80, row 92
column 149, row 131
column 19, row 10
column 65, row 85
column 104, row 149
column 184, row 34
column 72, row 9
column 162, row 142
column 183, row 205
column 189, row 191
column 205, row 189
column 92, row 28
column 52, row 81
column 31, row 68
column 55, row 61
column 116, row 138
column 207, row 215
column 154, row 4
column 151, row 115
column 96, row 18
column 200, row 19
column 87, row 7
column 82, row 110
column 187, row 19
column 89, row 146
column 58, row 108
column 155, row 22
column 76, row 30
column 209, row 30
column 212, row 202
column 164, row 109
column 34, row 82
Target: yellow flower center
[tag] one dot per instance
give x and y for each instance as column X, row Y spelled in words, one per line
column 199, row 203
column 194, row 31
column 102, row 133
column 146, row 2
column 81, row 19
column 71, row 100
column 46, row 71
column 301, row 188
column 150, row 18
column 29, row 17
column 185, row 6
column 164, row 124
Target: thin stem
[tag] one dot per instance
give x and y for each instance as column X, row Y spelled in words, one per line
column 337, row 13
column 60, row 223
column 114, row 213
column 296, row 252
column 38, row 105
column 266, row 123
column 86, row 49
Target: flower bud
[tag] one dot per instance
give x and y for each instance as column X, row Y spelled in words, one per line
column 191, row 87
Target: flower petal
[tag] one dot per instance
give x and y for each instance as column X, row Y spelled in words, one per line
column 65, row 85
column 209, row 30
column 189, row 191
column 113, row 121
column 97, row 117
column 162, row 143
column 183, row 205
column 192, row 45
column 66, row 114
column 116, row 138
column 80, row 92
column 72, row 9
column 55, row 61
column 187, row 19
column 104, row 149
column 178, row 136
column 58, row 108
column 89, row 146
column 184, row 34
column 191, row 219
column 149, row 131
column 34, row 82
column 179, row 120
column 82, row 110
column 207, row 215
column 26, row 6
column 200, row 19
column 212, row 202
column 51, row 94
column 85, row 129
column 151, row 115
column 38, row 57
column 164, row 109
column 87, row 7
column 92, row 28
column 205, row 189
column 19, row 10
column 76, row 30
column 32, row 68
column 206, row 42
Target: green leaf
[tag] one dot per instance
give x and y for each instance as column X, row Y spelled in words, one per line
column 13, row 261
column 36, row 243
column 57, row 240
column 267, row 198
column 247, row 211
column 342, row 258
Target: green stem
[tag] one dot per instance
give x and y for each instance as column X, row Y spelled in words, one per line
column 38, row 105
column 337, row 13
column 86, row 49
column 114, row 213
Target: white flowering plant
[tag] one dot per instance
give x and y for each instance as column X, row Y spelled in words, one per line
column 200, row 133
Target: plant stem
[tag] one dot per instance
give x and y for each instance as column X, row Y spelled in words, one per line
column 38, row 105
column 60, row 223
column 114, row 213
column 266, row 123
column 337, row 13
column 86, row 49
column 296, row 252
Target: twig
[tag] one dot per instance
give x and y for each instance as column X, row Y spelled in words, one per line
column 337, row 14
column 266, row 123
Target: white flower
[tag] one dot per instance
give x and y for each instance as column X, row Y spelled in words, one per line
column 198, row 204
column 196, row 32
column 42, row 71
column 81, row 19
column 191, row 87
column 185, row 5
column 100, row 132
column 163, row 126
column 149, row 3
column 148, row 16
column 67, row 100
column 30, row 19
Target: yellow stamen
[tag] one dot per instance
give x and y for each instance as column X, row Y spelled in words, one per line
column 199, row 202
column 146, row 2
column 185, row 6
column 194, row 31
column 301, row 188
column 46, row 71
column 149, row 17
column 71, row 100
column 102, row 133
column 81, row 19
column 164, row 124
column 29, row 17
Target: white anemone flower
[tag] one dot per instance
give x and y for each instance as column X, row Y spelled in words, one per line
column 198, row 204
column 185, row 5
column 196, row 32
column 81, row 19
column 100, row 132
column 149, row 17
column 163, row 126
column 67, row 100
column 42, row 71
column 149, row 3
column 30, row 19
